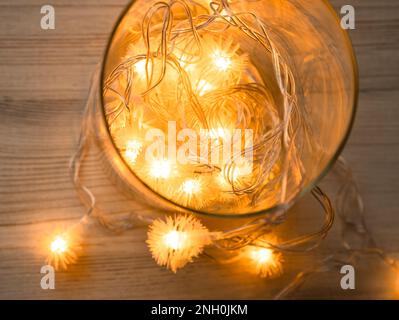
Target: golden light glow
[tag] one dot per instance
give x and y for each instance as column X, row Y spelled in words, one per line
column 221, row 61
column 198, row 81
column 160, row 169
column 175, row 239
column 59, row 245
column 174, row 242
column 262, row 255
column 267, row 263
column 204, row 87
column 191, row 186
column 140, row 67
column 225, row 13
column 62, row 248
column 133, row 149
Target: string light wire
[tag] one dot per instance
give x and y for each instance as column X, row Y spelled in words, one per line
column 255, row 233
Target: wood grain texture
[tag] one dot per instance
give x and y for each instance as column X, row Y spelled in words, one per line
column 43, row 85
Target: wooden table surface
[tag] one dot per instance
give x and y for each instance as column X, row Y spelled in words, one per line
column 43, row 85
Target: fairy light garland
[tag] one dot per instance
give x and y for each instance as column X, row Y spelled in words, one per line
column 184, row 68
column 133, row 149
column 267, row 263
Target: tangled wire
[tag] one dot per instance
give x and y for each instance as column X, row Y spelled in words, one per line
column 155, row 83
column 184, row 64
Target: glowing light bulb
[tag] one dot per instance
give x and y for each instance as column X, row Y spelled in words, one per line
column 262, row 255
column 175, row 239
column 225, row 13
column 222, row 62
column 140, row 67
column 191, row 186
column 133, row 149
column 160, row 169
column 204, row 87
column 63, row 249
column 59, row 245
column 266, row 262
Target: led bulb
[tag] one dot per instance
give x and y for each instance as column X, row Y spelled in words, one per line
column 160, row 169
column 191, row 187
column 140, row 67
column 59, row 245
column 262, row 255
column 266, row 262
column 221, row 62
column 133, row 149
column 175, row 239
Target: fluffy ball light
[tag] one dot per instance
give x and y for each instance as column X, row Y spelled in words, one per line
column 64, row 249
column 267, row 263
column 177, row 240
